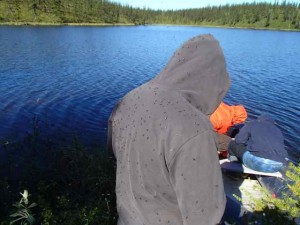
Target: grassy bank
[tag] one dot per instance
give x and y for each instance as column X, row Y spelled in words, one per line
column 74, row 185
column 69, row 185
column 210, row 25
column 61, row 24
column 131, row 24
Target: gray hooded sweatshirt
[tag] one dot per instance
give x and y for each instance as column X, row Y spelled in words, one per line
column 167, row 164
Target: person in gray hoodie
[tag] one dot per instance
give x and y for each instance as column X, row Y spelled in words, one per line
column 165, row 147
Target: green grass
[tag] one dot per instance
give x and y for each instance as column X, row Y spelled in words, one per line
column 62, row 24
column 75, row 185
column 69, row 184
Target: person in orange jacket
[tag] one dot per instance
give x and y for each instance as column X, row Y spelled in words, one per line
column 222, row 119
column 225, row 116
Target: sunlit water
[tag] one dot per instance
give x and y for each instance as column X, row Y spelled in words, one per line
column 71, row 77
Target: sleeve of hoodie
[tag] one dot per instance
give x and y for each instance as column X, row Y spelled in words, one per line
column 196, row 176
column 109, row 136
column 110, row 131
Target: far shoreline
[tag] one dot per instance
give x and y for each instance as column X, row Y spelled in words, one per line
column 63, row 24
column 33, row 24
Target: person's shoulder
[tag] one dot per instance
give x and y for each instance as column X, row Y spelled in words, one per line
column 194, row 123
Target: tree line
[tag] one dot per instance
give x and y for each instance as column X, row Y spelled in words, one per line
column 284, row 15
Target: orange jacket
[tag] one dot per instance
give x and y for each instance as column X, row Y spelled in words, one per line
column 226, row 116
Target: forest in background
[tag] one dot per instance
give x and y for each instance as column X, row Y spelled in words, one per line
column 284, row 15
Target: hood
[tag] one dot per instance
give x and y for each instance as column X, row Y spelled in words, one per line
column 239, row 114
column 266, row 118
column 198, row 71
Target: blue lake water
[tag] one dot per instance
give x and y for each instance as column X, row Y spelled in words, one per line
column 71, row 77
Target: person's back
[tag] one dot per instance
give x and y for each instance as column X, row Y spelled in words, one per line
column 149, row 146
column 265, row 152
column 167, row 165
column 263, row 139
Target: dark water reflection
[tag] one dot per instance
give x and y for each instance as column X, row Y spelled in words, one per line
column 70, row 77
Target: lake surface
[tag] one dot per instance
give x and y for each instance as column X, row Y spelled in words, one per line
column 69, row 78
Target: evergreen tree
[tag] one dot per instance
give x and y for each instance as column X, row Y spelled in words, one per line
column 256, row 15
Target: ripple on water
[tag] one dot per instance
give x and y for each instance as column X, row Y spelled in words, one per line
column 73, row 81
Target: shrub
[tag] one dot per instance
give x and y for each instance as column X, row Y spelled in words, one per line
column 278, row 211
